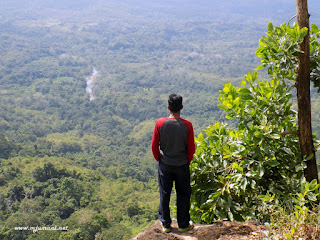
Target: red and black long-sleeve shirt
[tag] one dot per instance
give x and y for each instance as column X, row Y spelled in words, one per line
column 173, row 141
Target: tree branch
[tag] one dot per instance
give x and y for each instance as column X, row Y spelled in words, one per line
column 290, row 132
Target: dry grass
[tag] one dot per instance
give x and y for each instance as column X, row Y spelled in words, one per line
column 303, row 224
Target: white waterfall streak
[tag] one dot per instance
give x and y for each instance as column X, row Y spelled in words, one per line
column 90, row 82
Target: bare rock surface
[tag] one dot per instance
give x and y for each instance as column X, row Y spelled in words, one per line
column 221, row 230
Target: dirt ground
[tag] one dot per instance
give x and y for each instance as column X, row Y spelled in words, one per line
column 219, row 230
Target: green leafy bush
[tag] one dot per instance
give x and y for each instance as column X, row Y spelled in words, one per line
column 249, row 172
column 232, row 167
column 279, row 51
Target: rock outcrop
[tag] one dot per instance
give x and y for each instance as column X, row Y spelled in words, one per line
column 221, row 230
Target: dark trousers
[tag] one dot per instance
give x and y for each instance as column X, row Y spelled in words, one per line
column 168, row 174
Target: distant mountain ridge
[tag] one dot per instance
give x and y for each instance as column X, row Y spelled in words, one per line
column 277, row 11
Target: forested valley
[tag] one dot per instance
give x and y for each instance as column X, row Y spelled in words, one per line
column 71, row 157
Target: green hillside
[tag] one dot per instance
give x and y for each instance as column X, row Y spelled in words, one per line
column 69, row 161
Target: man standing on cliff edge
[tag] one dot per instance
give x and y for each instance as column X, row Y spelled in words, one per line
column 173, row 147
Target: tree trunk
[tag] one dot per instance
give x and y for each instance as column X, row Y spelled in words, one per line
column 303, row 95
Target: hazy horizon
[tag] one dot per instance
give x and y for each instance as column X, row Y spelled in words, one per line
column 275, row 10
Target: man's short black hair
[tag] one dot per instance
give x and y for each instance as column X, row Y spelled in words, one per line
column 175, row 102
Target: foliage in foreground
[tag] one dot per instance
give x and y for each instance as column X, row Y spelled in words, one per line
column 298, row 222
column 253, row 171
column 279, row 51
column 232, row 167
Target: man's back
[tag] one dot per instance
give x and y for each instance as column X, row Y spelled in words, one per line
column 174, row 136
